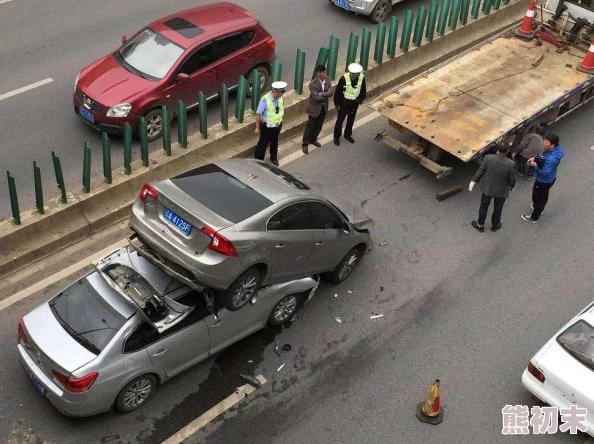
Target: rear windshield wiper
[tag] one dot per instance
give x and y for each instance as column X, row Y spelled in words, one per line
column 77, row 336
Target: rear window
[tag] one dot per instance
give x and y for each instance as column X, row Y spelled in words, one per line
column 284, row 176
column 86, row 316
column 221, row 193
column 578, row 340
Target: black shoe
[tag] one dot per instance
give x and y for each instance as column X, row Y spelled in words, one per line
column 337, row 142
column 316, row 144
column 350, row 139
column 528, row 218
column 274, row 162
column 304, row 149
column 478, row 227
column 495, row 228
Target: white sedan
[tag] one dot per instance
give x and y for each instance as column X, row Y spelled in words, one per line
column 562, row 372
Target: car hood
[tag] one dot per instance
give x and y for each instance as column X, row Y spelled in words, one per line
column 110, row 84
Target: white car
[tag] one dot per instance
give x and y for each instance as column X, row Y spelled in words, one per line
column 562, row 372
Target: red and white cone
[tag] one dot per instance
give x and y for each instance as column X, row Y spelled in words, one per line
column 587, row 65
column 525, row 31
column 430, row 410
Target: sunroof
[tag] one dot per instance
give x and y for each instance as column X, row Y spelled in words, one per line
column 184, row 27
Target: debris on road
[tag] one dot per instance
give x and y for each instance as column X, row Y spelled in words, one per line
column 276, row 349
column 281, row 367
column 251, row 380
column 335, row 295
column 383, row 244
column 376, row 316
column 287, row 347
column 448, row 192
column 294, row 318
column 349, row 291
column 405, row 177
column 338, row 319
column 380, row 136
column 250, row 361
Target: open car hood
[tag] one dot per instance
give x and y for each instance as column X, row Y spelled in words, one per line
column 121, row 270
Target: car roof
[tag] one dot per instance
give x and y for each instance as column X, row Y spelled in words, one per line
column 214, row 20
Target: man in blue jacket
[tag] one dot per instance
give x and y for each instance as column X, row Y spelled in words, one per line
column 546, row 175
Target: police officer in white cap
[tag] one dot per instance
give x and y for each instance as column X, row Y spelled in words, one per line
column 349, row 94
column 269, row 120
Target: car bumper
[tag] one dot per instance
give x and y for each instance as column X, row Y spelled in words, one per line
column 108, row 125
column 360, row 8
column 71, row 404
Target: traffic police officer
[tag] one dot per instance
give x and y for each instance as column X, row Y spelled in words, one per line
column 349, row 94
column 269, row 120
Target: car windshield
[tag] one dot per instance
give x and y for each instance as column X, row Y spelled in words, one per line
column 86, row 316
column 150, row 54
column 579, row 341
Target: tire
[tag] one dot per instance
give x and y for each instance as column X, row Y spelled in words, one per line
column 241, row 290
column 136, row 393
column 264, row 79
column 154, row 121
column 381, row 11
column 284, row 309
column 346, row 266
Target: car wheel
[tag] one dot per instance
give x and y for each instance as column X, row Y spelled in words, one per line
column 346, row 266
column 264, row 78
column 154, row 124
column 381, row 11
column 284, row 310
column 136, row 393
column 242, row 289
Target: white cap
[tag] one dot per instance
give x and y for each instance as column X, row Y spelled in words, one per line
column 355, row 68
column 279, row 86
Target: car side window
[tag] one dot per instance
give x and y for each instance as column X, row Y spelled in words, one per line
column 291, row 218
column 323, row 217
column 231, row 43
column 201, row 58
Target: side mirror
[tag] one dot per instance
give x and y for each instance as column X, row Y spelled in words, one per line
column 124, row 39
column 345, row 228
column 182, row 78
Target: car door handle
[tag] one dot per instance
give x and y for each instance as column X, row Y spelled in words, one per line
column 319, row 243
column 279, row 246
column 160, row 353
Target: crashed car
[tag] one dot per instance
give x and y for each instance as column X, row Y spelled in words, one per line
column 238, row 224
column 111, row 337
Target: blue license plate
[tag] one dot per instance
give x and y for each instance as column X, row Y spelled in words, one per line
column 35, row 381
column 87, row 115
column 177, row 221
column 342, row 4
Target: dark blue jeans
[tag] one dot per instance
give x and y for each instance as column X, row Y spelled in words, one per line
column 523, row 167
column 498, row 208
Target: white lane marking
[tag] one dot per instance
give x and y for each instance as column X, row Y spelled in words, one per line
column 25, row 88
column 211, row 414
column 56, row 277
column 592, row 147
column 323, row 141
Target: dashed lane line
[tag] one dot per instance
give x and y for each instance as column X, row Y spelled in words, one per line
column 24, row 88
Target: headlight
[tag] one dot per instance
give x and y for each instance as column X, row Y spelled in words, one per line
column 120, row 110
column 76, row 81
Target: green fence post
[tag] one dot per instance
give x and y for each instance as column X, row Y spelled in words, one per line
column 476, row 7
column 406, row 30
column 465, row 6
column 182, row 124
column 380, row 39
column 392, row 37
column 505, row 2
column 431, row 21
column 365, row 44
column 496, row 4
column 86, row 179
column 443, row 17
column 128, row 147
column 202, row 115
column 59, row 177
column 420, row 26
column 277, row 69
column 487, row 6
column 224, row 93
column 38, row 188
column 256, row 92
column 454, row 14
column 240, row 103
column 321, row 60
column 332, row 57
column 106, row 158
column 166, row 131
column 352, row 51
column 14, row 200
column 143, row 136
column 299, row 72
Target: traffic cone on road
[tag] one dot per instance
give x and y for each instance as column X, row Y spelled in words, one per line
column 587, row 65
column 429, row 411
column 525, row 31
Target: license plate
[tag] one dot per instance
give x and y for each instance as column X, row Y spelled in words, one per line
column 177, row 221
column 342, row 4
column 35, row 381
column 87, row 115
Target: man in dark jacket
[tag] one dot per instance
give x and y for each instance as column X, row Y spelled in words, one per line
column 530, row 146
column 320, row 89
column 349, row 94
column 497, row 177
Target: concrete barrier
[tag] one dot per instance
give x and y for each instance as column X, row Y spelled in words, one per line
column 84, row 214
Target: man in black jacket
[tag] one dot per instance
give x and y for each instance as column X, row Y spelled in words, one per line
column 349, row 94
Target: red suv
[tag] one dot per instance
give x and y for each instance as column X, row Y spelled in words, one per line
column 169, row 60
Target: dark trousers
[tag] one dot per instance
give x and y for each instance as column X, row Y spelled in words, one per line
column 540, row 197
column 523, row 166
column 498, row 208
column 314, row 126
column 268, row 135
column 350, row 118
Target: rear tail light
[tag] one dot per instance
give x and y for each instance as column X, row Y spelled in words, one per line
column 22, row 334
column 146, row 191
column 76, row 385
column 219, row 243
column 271, row 42
column 536, row 372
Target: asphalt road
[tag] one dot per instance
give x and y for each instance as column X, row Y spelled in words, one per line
column 467, row 308
column 40, row 40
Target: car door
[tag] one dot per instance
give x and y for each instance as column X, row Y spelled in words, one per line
column 290, row 236
column 202, row 77
column 235, row 325
column 331, row 244
column 235, row 56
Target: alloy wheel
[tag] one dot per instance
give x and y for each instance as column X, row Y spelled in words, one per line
column 348, row 266
column 244, row 291
column 154, row 125
column 137, row 393
column 285, row 308
column 381, row 12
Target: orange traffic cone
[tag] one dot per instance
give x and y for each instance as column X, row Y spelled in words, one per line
column 587, row 65
column 430, row 411
column 525, row 31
